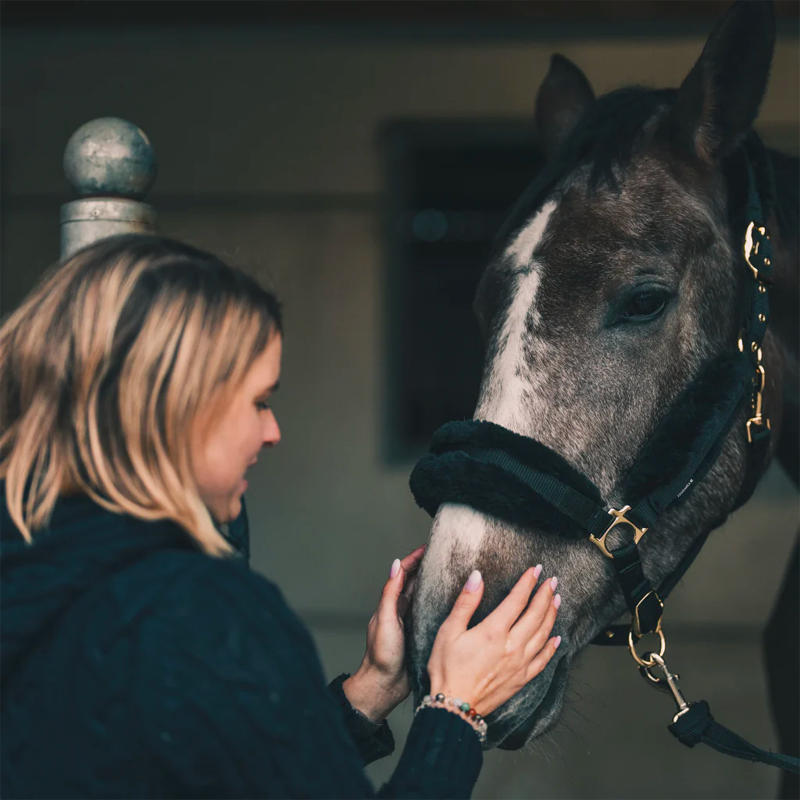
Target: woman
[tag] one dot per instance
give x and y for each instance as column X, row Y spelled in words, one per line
column 138, row 658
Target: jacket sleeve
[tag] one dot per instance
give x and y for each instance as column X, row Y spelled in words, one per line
column 233, row 703
column 374, row 740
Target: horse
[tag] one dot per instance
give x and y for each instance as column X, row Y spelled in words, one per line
column 614, row 283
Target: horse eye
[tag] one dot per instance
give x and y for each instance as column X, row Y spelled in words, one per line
column 644, row 306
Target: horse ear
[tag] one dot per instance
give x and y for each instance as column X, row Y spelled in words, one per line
column 719, row 99
column 563, row 96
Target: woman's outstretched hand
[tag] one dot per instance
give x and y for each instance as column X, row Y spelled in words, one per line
column 381, row 683
column 489, row 663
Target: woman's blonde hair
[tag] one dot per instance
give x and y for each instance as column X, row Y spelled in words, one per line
column 103, row 370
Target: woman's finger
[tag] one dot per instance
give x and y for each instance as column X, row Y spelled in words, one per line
column 387, row 607
column 536, row 638
column 408, row 593
column 403, row 604
column 506, row 614
column 466, row 604
column 533, row 615
column 412, row 561
column 545, row 654
column 407, row 574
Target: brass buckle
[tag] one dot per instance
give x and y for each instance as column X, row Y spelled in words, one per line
column 636, row 624
column 751, row 248
column 620, row 519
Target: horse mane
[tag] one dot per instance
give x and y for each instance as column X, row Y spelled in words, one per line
column 607, row 137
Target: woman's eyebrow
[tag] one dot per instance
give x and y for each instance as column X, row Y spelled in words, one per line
column 271, row 389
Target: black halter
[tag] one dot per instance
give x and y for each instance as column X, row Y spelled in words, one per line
column 518, row 479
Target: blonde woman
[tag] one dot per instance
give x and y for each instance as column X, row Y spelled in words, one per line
column 139, row 659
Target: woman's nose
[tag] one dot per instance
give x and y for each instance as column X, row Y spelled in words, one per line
column 272, row 431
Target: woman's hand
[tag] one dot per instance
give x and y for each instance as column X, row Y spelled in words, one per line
column 381, row 683
column 488, row 664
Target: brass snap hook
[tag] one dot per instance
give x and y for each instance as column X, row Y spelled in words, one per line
column 668, row 684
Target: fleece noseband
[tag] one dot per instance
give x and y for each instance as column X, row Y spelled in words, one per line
column 520, row 480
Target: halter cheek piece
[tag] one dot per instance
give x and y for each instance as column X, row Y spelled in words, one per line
column 520, row 480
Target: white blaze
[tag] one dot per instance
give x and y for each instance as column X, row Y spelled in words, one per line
column 503, row 404
column 458, row 527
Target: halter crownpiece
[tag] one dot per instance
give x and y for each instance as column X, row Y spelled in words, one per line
column 520, row 480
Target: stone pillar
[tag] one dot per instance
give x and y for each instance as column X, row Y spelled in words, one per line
column 110, row 165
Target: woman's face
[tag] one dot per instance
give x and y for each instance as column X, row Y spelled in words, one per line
column 225, row 445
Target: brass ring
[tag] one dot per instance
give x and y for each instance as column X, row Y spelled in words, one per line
column 650, row 662
column 657, row 662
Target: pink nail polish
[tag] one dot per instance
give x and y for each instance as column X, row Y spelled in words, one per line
column 395, row 568
column 473, row 582
column 554, row 583
column 557, row 642
column 537, row 572
column 557, row 601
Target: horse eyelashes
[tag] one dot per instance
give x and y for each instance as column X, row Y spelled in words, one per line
column 645, row 306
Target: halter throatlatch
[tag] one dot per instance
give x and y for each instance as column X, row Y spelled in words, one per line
column 522, row 481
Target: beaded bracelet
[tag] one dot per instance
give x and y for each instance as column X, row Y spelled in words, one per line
column 467, row 713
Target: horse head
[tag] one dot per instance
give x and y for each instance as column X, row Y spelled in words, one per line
column 615, row 282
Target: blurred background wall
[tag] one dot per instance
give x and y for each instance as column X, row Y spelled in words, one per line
column 265, row 121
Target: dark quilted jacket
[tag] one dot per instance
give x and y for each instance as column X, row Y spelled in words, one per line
column 134, row 666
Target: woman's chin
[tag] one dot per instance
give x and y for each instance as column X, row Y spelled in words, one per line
column 227, row 509
column 235, row 508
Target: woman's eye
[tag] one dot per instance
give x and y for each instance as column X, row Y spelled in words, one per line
column 644, row 306
column 263, row 405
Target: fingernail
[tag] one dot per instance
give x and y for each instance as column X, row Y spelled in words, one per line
column 557, row 601
column 554, row 583
column 473, row 582
column 537, row 572
column 395, row 568
column 557, row 642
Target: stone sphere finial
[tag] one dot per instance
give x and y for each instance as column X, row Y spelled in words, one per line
column 110, row 157
column 111, row 165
